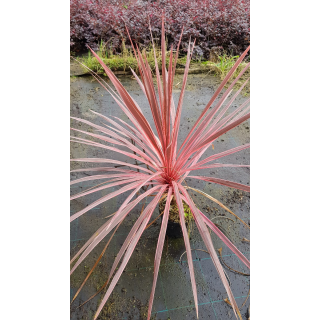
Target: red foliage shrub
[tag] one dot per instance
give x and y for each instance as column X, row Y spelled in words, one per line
column 223, row 23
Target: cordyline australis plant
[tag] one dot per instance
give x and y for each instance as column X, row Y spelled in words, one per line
column 166, row 165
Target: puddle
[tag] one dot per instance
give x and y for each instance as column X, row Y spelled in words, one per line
column 173, row 298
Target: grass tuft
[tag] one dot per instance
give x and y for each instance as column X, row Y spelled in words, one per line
column 224, row 64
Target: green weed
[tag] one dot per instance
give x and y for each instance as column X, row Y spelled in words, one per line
column 224, row 65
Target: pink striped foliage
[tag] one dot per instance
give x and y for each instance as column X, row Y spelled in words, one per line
column 164, row 165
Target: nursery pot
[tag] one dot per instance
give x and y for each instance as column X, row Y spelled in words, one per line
column 174, row 229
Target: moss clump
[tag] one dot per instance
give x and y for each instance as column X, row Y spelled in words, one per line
column 174, row 210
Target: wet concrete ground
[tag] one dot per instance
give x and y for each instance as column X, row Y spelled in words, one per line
column 173, row 297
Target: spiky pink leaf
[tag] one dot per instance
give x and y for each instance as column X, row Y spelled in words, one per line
column 128, row 154
column 129, row 103
column 120, row 141
column 218, row 165
column 146, row 217
column 82, row 194
column 158, row 255
column 218, row 134
column 103, row 169
column 137, row 137
column 223, row 83
column 208, row 242
column 107, row 176
column 107, row 227
column 103, row 199
column 187, row 244
column 233, row 116
column 142, row 137
column 102, row 160
column 225, row 239
column 223, row 154
column 227, row 183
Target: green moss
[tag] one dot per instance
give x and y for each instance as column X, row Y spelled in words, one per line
column 187, row 211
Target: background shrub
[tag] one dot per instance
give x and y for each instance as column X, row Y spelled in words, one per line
column 222, row 23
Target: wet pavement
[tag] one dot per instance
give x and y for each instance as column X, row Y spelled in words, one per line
column 173, row 296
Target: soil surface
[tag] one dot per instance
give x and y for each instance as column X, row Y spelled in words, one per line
column 173, row 297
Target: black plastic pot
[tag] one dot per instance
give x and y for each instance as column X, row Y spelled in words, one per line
column 174, row 230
